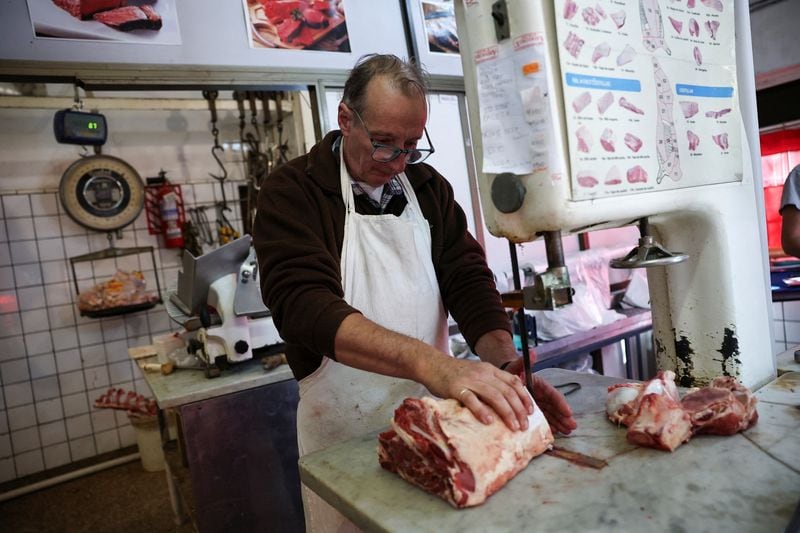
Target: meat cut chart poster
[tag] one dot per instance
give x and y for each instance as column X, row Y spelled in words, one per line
column 298, row 25
column 650, row 94
column 127, row 21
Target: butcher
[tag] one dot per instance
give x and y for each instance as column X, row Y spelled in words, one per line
column 363, row 252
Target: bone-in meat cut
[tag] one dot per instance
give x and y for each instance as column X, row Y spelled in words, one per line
column 660, row 420
column 439, row 446
column 657, row 418
column 724, row 407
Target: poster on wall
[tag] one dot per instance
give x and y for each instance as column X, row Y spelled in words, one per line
column 440, row 27
column 433, row 25
column 128, row 21
column 297, row 25
column 650, row 94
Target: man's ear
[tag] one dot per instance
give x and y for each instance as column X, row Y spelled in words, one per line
column 345, row 117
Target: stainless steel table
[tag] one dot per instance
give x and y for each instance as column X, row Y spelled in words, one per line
column 745, row 482
column 237, row 469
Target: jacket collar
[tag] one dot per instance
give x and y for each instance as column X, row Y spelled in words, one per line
column 323, row 166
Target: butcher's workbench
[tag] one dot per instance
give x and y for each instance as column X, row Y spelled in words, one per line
column 236, row 469
column 746, row 482
column 787, row 362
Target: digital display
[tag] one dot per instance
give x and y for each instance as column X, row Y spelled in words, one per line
column 78, row 127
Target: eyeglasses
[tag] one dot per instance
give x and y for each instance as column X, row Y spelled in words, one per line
column 386, row 153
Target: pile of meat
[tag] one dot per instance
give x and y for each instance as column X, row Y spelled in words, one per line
column 297, row 21
column 439, row 446
column 113, row 13
column 124, row 288
column 133, row 403
column 657, row 417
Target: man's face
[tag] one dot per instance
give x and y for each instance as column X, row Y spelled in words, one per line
column 392, row 118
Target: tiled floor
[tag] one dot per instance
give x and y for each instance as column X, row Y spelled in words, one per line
column 121, row 499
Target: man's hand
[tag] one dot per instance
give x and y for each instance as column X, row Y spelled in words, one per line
column 552, row 403
column 483, row 388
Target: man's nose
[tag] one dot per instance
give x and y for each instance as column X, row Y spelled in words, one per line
column 398, row 164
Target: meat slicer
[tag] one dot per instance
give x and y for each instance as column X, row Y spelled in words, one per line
column 218, row 301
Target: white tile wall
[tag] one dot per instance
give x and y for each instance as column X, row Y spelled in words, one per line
column 6, row 278
column 37, row 343
column 42, row 365
column 53, row 362
column 35, row 321
column 5, row 446
column 25, row 440
column 56, row 455
column 18, row 394
column 49, row 410
column 21, row 417
column 44, row 204
column 107, row 441
column 7, row 470
column 46, row 388
column 53, row 433
column 11, row 324
column 82, row 448
column 79, row 426
column 786, row 325
column 15, row 371
column 23, row 252
column 68, row 360
column 20, row 229
column 31, row 297
column 75, row 404
column 29, row 462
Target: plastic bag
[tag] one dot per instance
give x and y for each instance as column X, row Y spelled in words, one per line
column 590, row 303
column 637, row 294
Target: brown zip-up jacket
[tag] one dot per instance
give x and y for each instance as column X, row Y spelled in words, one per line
column 298, row 233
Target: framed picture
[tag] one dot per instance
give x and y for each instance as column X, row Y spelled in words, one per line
column 298, row 25
column 109, row 21
column 433, row 26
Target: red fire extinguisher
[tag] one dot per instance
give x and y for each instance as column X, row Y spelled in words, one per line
column 165, row 213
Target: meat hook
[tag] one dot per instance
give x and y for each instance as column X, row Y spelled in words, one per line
column 215, row 152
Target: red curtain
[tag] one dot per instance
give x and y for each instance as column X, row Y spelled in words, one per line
column 780, row 153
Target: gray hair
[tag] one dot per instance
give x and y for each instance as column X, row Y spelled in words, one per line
column 406, row 76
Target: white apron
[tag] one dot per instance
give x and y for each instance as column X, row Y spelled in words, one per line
column 388, row 275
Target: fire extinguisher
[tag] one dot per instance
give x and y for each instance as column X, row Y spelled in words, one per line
column 171, row 223
column 165, row 213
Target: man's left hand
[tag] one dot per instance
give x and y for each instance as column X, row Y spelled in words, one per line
column 552, row 403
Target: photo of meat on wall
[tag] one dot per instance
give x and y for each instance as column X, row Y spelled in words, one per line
column 140, row 21
column 440, row 26
column 298, row 24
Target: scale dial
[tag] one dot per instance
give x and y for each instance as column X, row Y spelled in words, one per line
column 102, row 193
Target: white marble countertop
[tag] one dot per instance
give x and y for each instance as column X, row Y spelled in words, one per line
column 745, row 482
column 786, row 362
column 185, row 386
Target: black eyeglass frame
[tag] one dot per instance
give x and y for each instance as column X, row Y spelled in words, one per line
column 425, row 153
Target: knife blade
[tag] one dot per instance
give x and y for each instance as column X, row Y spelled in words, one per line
column 521, row 322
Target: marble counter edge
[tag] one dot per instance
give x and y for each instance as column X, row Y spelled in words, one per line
column 187, row 386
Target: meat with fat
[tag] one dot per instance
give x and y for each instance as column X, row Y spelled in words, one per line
column 622, row 404
column 724, row 407
column 439, row 446
column 660, row 421
column 131, row 18
column 84, row 9
column 657, row 417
